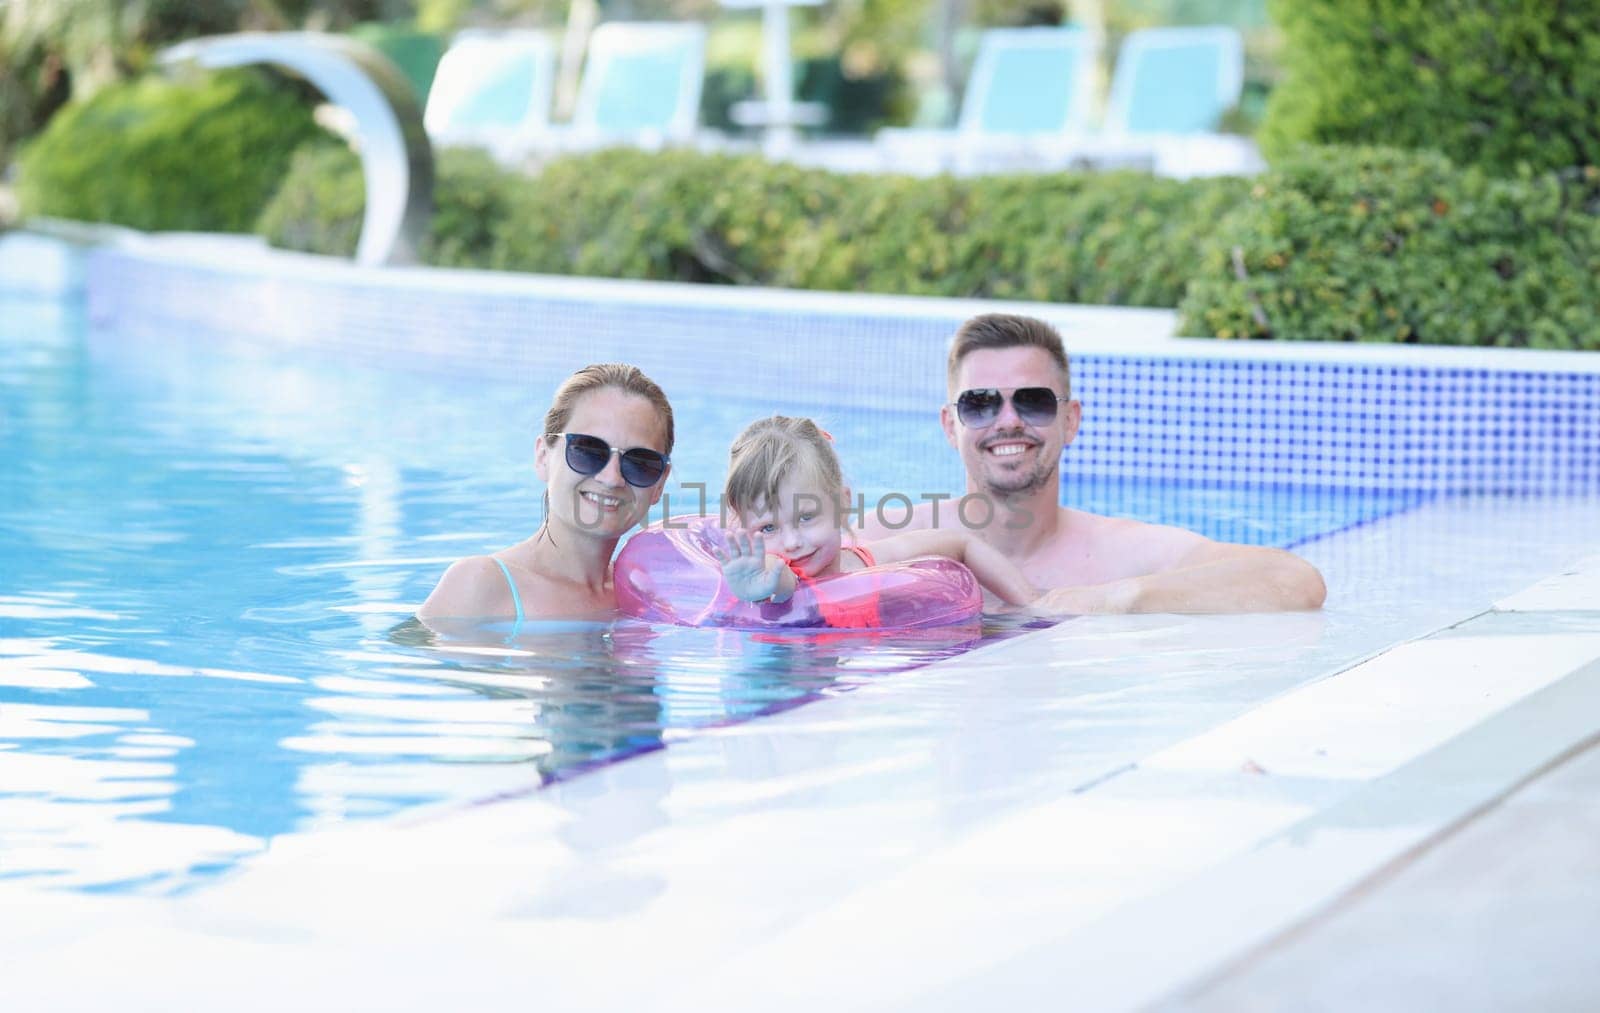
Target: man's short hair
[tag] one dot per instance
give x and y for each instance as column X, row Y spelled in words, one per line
column 1006, row 330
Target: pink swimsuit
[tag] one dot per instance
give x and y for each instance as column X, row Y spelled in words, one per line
column 857, row 615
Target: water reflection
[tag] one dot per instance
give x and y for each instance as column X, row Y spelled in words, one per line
column 116, row 778
column 567, row 696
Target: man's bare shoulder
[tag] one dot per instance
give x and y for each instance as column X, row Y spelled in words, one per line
column 1124, row 547
column 1101, row 527
column 1207, row 575
column 1094, row 548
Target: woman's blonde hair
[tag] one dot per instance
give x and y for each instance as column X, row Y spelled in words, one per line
column 623, row 377
column 773, row 449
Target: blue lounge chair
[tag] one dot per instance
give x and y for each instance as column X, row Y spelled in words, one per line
column 641, row 85
column 1168, row 95
column 1031, row 91
column 1175, row 81
column 1030, row 81
column 493, row 90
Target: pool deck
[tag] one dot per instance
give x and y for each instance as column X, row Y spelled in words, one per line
column 1213, row 812
column 1499, row 913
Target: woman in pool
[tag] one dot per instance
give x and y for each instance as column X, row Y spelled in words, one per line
column 786, row 490
column 604, row 457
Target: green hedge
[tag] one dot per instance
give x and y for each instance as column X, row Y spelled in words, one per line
column 1333, row 244
column 1122, row 238
column 319, row 205
column 200, row 153
column 1373, row 244
column 1494, row 83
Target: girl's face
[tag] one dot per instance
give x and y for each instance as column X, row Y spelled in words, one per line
column 603, row 504
column 801, row 528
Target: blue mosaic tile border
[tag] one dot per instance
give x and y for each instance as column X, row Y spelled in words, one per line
column 1429, row 420
column 1373, row 426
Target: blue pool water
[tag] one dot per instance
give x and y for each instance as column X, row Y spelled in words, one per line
column 210, row 554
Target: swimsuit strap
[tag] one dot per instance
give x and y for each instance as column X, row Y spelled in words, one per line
column 861, row 552
column 516, row 599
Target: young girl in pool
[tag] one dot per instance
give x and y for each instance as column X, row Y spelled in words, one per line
column 786, row 490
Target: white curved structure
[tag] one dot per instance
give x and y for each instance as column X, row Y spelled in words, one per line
column 396, row 159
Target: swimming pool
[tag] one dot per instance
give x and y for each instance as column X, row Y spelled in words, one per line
column 211, row 555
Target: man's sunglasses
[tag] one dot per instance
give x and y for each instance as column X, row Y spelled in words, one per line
column 980, row 407
column 589, row 455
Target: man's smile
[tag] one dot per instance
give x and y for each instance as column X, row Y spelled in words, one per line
column 1009, row 446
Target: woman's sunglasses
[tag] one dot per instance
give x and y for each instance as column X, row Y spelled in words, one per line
column 589, row 455
column 980, row 407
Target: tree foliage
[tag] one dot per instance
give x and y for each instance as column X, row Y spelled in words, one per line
column 54, row 50
column 1380, row 244
column 1337, row 244
column 1503, row 84
column 202, row 153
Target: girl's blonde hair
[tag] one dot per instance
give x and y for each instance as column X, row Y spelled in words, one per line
column 773, row 449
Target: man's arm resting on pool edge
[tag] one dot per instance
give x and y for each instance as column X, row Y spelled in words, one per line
column 1211, row 577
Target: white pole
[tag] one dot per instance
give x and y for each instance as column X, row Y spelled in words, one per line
column 779, row 73
column 580, row 22
column 777, row 113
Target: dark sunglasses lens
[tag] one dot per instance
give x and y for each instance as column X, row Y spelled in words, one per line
column 643, row 467
column 1036, row 405
column 587, row 455
column 978, row 407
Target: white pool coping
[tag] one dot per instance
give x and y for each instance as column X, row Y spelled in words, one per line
column 1087, row 329
column 1445, row 768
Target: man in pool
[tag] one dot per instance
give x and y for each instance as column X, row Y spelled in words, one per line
column 1009, row 415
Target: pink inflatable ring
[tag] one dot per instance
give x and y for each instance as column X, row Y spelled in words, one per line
column 667, row 574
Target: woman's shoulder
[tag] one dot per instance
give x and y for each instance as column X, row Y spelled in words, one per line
column 472, row 587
